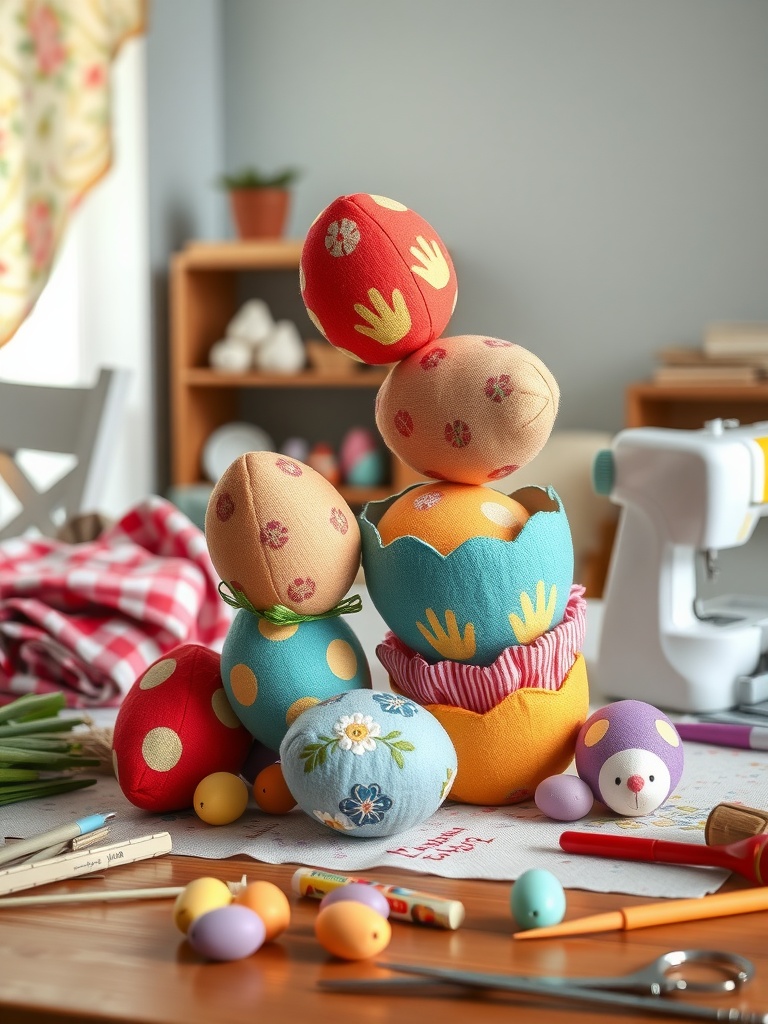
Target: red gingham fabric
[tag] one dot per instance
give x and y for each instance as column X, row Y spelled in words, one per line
column 89, row 618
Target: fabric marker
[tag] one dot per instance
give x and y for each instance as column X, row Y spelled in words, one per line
column 746, row 737
column 404, row 904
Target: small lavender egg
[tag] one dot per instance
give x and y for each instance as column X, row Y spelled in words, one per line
column 227, row 933
column 564, row 797
column 360, row 893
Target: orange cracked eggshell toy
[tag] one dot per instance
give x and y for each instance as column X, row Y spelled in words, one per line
column 471, row 409
column 281, row 534
column 175, row 727
column 446, row 514
column 376, row 279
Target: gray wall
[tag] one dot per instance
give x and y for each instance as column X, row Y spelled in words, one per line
column 597, row 168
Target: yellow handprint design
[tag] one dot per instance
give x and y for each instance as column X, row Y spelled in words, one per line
column 435, row 269
column 534, row 621
column 387, row 325
column 449, row 642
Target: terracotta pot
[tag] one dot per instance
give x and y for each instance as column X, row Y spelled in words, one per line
column 260, row 212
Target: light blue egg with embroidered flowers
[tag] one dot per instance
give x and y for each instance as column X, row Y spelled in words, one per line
column 486, row 595
column 368, row 763
column 273, row 673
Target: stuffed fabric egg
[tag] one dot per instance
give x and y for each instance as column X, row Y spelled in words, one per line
column 273, row 673
column 368, row 763
column 174, row 727
column 281, row 534
column 485, row 595
column 631, row 756
column 469, row 409
column 375, row 278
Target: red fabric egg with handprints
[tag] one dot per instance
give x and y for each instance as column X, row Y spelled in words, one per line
column 376, row 278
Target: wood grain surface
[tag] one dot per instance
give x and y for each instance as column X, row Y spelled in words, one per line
column 127, row 961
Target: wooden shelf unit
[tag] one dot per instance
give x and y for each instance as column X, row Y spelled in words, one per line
column 204, row 298
column 690, row 406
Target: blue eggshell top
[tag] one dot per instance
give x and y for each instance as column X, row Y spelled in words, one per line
column 486, row 595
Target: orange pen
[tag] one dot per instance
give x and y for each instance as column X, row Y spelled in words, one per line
column 722, row 904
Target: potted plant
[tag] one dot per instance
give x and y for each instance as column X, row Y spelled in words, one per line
column 259, row 202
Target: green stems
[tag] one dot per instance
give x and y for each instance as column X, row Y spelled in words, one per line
column 34, row 763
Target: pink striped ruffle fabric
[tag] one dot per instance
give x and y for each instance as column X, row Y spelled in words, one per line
column 544, row 663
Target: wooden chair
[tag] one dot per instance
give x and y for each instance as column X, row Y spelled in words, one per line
column 77, row 421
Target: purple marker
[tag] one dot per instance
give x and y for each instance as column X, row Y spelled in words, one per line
column 722, row 735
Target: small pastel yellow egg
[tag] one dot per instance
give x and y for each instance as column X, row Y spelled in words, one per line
column 197, row 898
column 352, row 931
column 270, row 903
column 271, row 792
column 220, row 798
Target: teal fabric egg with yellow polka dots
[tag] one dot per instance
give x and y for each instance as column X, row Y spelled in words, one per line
column 368, row 763
column 272, row 673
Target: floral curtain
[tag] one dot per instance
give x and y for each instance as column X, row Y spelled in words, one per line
column 55, row 140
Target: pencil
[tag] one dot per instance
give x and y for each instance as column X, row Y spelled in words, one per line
column 159, row 892
column 722, row 904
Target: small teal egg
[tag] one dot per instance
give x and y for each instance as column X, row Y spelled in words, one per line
column 537, row 900
column 520, row 587
column 368, row 470
column 271, row 674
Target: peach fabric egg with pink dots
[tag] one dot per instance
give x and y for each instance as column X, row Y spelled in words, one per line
column 281, row 534
column 471, row 409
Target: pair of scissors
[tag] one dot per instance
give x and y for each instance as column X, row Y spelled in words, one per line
column 636, row 990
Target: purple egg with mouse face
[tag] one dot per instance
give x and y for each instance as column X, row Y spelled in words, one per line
column 630, row 755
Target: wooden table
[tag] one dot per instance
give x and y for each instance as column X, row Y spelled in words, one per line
column 112, row 962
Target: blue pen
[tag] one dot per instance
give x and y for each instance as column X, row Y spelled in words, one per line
column 54, row 837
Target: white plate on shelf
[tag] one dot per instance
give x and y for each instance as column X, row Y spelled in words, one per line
column 230, row 442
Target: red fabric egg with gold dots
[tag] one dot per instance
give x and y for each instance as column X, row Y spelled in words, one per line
column 376, row 279
column 175, row 727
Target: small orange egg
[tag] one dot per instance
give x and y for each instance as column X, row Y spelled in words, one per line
column 270, row 791
column 352, row 931
column 220, row 798
column 197, row 898
column 446, row 514
column 270, row 903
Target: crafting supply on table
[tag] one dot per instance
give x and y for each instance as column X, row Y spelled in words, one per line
column 638, row 990
column 724, row 735
column 53, row 837
column 89, row 839
column 404, row 904
column 728, row 823
column 83, row 862
column 161, row 892
column 747, row 857
column 647, row 915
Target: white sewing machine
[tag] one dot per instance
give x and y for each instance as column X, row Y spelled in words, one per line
column 685, row 494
